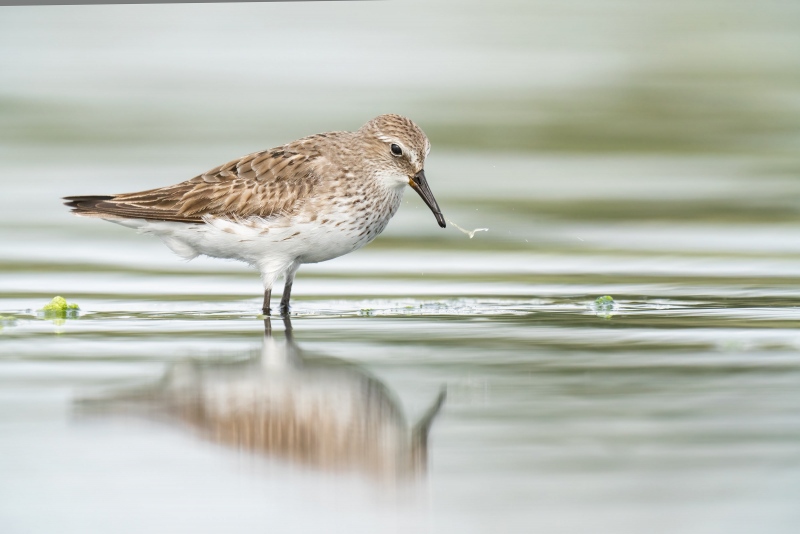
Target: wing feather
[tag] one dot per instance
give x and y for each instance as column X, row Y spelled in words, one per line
column 261, row 184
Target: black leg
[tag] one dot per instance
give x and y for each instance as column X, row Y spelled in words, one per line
column 287, row 292
column 265, row 306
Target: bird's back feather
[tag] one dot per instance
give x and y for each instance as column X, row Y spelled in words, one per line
column 262, row 184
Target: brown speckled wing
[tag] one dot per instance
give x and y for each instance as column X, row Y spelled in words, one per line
column 262, row 184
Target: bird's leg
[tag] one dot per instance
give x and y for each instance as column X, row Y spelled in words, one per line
column 287, row 292
column 265, row 306
column 287, row 289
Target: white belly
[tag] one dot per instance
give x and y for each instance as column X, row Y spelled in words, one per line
column 277, row 246
column 270, row 245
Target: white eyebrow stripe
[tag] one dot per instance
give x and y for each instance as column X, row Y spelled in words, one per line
column 388, row 139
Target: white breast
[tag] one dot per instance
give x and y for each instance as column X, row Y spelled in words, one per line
column 273, row 244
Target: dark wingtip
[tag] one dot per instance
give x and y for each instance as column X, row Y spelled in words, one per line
column 85, row 203
column 440, row 220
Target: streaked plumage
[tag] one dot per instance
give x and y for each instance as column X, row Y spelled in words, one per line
column 308, row 201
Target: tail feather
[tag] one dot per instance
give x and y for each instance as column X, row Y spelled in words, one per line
column 91, row 206
column 110, row 207
column 87, row 205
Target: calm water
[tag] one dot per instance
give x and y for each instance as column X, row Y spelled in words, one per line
column 167, row 405
column 677, row 407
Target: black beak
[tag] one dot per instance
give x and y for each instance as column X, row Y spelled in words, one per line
column 420, row 185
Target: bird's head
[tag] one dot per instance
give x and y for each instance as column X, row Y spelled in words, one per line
column 399, row 148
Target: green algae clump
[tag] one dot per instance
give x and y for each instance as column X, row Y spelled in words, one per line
column 604, row 306
column 59, row 308
column 604, row 301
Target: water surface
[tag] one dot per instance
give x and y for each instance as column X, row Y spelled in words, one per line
column 646, row 154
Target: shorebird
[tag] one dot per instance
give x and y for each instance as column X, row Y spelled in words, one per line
column 311, row 200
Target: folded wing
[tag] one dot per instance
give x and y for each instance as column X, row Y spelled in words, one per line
column 264, row 184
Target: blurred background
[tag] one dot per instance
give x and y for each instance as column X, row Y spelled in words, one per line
column 642, row 150
column 595, row 110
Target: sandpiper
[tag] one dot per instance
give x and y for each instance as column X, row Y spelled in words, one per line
column 307, row 201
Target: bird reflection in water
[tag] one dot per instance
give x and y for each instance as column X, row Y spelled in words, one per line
column 318, row 412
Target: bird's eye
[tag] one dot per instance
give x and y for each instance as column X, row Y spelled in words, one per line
column 396, row 150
